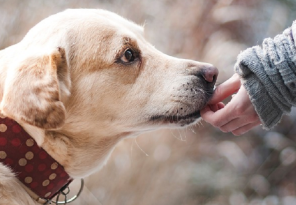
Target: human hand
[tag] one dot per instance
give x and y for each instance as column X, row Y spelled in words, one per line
column 238, row 116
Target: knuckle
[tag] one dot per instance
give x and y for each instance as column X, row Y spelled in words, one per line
column 207, row 119
column 216, row 123
column 224, row 129
column 239, row 132
column 236, row 133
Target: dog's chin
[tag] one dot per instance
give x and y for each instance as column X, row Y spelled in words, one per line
column 176, row 120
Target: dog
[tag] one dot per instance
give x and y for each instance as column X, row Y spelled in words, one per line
column 84, row 79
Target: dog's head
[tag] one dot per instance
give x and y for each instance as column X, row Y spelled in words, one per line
column 93, row 71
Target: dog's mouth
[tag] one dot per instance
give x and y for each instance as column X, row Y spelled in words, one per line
column 186, row 111
column 182, row 120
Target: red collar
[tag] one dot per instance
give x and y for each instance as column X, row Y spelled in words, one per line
column 32, row 165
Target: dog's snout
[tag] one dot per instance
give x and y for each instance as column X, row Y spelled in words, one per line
column 210, row 74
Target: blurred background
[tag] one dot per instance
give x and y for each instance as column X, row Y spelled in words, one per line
column 198, row 165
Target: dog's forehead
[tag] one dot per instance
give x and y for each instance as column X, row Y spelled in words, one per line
column 122, row 21
column 76, row 24
column 103, row 19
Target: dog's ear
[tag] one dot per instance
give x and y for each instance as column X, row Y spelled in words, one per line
column 35, row 89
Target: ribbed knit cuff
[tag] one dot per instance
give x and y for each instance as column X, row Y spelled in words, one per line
column 267, row 110
column 269, row 75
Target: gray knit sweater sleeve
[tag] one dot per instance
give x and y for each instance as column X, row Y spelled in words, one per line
column 269, row 75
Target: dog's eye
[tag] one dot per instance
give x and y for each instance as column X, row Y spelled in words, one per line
column 128, row 56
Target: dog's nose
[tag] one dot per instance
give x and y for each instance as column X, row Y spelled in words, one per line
column 210, row 73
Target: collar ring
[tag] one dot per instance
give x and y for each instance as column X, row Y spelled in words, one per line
column 65, row 191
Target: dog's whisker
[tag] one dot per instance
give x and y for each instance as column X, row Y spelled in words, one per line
column 141, row 148
column 176, row 137
column 192, row 130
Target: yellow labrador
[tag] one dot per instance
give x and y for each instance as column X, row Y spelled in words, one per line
column 82, row 80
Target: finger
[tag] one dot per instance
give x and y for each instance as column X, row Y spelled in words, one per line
column 226, row 89
column 244, row 129
column 206, row 111
column 214, row 107
column 218, row 118
column 238, row 123
column 220, row 105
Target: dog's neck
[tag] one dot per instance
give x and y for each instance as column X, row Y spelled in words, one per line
column 79, row 158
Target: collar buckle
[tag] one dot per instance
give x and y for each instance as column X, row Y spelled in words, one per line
column 65, row 191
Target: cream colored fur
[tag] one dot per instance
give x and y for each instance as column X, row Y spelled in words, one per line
column 65, row 84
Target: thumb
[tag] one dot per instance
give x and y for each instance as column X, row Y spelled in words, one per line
column 226, row 89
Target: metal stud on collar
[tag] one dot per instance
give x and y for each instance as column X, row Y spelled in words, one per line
column 65, row 192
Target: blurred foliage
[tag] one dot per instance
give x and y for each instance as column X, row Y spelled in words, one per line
column 197, row 165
